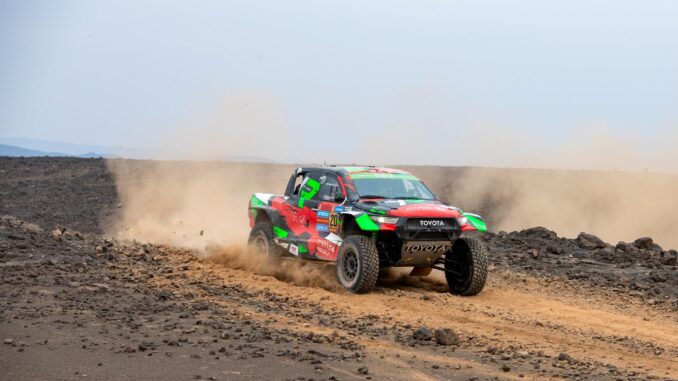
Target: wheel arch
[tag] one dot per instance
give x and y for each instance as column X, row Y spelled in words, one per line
column 263, row 214
column 351, row 227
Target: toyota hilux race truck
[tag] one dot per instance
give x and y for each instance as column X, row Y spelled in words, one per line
column 365, row 219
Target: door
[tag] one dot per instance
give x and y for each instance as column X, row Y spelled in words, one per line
column 300, row 213
column 325, row 242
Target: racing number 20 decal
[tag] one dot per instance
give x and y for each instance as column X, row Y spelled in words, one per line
column 334, row 221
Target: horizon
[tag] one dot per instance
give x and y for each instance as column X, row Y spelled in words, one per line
column 235, row 159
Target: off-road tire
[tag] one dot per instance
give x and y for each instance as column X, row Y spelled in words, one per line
column 466, row 267
column 363, row 251
column 264, row 231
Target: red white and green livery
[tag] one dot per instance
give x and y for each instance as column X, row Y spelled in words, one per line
column 366, row 219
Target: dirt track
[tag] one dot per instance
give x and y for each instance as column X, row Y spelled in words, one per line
column 75, row 305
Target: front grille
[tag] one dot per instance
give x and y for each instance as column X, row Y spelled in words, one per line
column 430, row 229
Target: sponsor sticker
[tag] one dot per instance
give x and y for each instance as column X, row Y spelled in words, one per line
column 322, row 227
column 294, row 249
column 431, row 223
column 339, row 209
column 425, row 247
column 323, row 214
column 335, row 239
column 326, row 249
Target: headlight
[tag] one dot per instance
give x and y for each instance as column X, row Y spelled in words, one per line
column 384, row 220
column 462, row 221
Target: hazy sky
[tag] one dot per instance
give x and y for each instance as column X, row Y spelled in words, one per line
column 437, row 82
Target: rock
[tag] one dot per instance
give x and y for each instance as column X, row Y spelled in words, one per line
column 32, row 228
column 626, row 247
column 57, row 234
column 671, row 258
column 200, row 306
column 446, row 336
column 644, row 243
column 422, row 334
column 658, row 277
column 8, row 341
column 564, row 357
column 589, row 241
column 363, row 370
column 146, row 345
column 539, row 232
column 102, row 286
column 163, row 295
column 522, row 354
column 534, row 253
column 554, row 249
column 505, row 368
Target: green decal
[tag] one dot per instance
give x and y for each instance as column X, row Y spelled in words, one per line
column 281, row 233
column 477, row 222
column 255, row 201
column 365, row 223
column 302, row 249
column 373, row 210
column 310, row 188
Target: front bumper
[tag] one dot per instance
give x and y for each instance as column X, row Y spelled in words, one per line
column 420, row 241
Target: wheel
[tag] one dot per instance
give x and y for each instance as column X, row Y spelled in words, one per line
column 261, row 241
column 466, row 267
column 358, row 264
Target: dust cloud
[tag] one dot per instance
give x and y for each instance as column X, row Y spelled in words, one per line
column 189, row 203
column 617, row 184
column 617, row 206
column 302, row 273
column 203, row 206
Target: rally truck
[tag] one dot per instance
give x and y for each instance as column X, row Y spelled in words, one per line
column 365, row 219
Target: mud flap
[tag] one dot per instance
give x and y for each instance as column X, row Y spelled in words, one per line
column 420, row 271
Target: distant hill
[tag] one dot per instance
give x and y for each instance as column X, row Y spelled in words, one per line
column 38, row 147
column 70, row 149
column 14, row 151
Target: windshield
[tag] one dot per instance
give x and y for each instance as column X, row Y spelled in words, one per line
column 392, row 188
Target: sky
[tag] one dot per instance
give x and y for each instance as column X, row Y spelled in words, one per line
column 575, row 84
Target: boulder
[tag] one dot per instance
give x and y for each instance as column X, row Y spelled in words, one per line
column 589, row 241
column 446, row 336
column 644, row 243
column 422, row 334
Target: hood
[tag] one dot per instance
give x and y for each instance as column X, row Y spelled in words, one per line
column 409, row 208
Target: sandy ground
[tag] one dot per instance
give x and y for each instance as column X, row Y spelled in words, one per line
column 76, row 305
